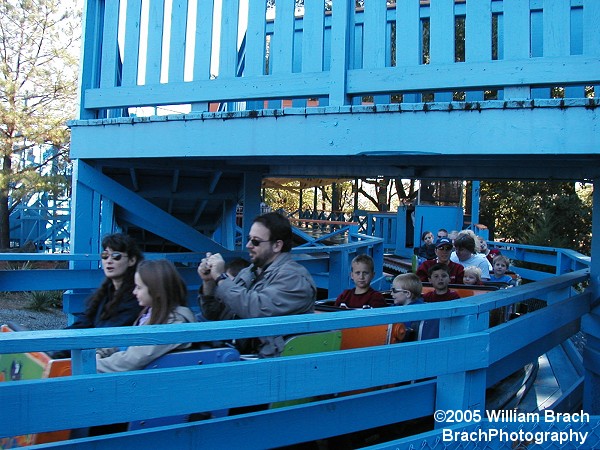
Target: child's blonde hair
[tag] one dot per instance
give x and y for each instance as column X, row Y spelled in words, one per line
column 364, row 259
column 474, row 271
column 411, row 283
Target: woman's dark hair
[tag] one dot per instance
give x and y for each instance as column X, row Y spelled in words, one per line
column 425, row 233
column 165, row 286
column 117, row 242
column 280, row 228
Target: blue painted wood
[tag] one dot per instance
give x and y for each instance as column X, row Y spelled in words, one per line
column 110, row 51
column 154, row 52
column 591, row 33
column 86, row 214
column 177, row 42
column 466, row 352
column 94, row 393
column 375, row 32
column 216, row 434
column 516, row 40
column 478, row 37
column 282, row 41
column 255, row 40
column 132, row 44
column 313, row 36
column 229, row 40
column 340, row 53
column 146, row 214
column 93, row 12
column 203, row 45
column 344, row 133
column 557, row 24
column 590, row 324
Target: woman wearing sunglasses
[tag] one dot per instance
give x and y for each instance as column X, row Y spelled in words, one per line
column 113, row 303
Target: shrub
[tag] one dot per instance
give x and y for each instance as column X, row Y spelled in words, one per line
column 44, row 300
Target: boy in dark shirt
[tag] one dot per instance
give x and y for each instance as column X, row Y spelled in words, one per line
column 362, row 295
column 439, row 277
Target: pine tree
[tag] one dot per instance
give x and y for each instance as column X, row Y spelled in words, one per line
column 38, row 72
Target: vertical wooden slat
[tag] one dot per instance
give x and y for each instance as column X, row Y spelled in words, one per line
column 537, row 45
column 255, row 39
column 132, row 43
column 156, row 14
column 408, row 33
column 179, row 15
column 110, row 50
column 312, row 37
column 442, row 32
column 341, row 25
column 576, row 48
column 93, row 11
column 374, row 40
column 283, row 37
column 203, row 45
column 282, row 41
column 478, row 37
column 203, row 39
column 374, row 35
column 408, row 38
column 557, row 36
column 591, row 32
column 516, row 41
column 255, row 51
column 228, row 49
column 442, row 38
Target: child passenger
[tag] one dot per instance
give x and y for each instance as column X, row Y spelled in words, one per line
column 472, row 276
column 162, row 294
column 500, row 265
column 439, row 277
column 362, row 295
column 427, row 250
column 406, row 290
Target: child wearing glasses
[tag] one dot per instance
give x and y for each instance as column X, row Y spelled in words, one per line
column 362, row 295
column 407, row 290
column 162, row 294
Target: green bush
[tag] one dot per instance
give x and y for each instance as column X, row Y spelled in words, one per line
column 44, row 300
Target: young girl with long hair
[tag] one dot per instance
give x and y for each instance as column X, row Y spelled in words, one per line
column 162, row 294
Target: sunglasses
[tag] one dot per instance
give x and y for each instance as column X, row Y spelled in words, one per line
column 446, row 248
column 399, row 291
column 116, row 256
column 256, row 242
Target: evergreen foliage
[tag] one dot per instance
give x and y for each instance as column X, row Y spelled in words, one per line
column 38, row 85
column 549, row 214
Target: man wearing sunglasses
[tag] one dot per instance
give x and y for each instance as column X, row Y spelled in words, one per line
column 273, row 285
column 443, row 251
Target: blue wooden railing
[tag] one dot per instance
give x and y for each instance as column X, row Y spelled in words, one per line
column 456, row 370
column 410, row 52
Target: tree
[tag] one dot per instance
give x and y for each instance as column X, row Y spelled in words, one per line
column 37, row 96
column 541, row 213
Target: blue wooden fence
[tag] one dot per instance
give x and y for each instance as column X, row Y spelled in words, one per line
column 506, row 50
column 458, row 367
